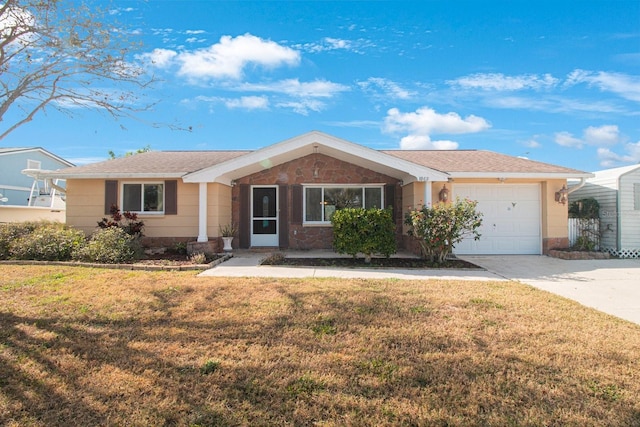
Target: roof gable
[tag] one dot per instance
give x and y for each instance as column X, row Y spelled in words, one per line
column 316, row 142
column 8, row 151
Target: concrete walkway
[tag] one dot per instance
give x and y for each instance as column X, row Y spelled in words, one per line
column 611, row 286
column 247, row 264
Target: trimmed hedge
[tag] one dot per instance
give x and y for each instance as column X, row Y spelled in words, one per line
column 366, row 231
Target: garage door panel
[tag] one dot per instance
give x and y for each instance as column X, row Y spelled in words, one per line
column 510, row 222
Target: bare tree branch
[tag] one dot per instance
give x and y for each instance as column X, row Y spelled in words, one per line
column 66, row 56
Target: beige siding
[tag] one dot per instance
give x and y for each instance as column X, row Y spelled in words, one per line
column 218, row 209
column 85, row 207
column 85, row 203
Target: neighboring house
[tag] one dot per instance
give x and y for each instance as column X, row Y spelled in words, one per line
column 282, row 196
column 17, row 187
column 618, row 194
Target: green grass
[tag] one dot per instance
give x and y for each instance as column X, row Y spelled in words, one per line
column 82, row 346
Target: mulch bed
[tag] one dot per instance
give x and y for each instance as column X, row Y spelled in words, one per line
column 375, row 263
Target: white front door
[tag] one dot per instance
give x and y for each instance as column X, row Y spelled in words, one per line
column 264, row 216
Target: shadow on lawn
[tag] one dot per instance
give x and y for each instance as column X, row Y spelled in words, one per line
column 361, row 358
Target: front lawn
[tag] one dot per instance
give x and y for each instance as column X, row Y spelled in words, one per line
column 81, row 346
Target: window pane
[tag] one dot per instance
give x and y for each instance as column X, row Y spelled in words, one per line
column 343, row 197
column 131, row 197
column 373, row 198
column 313, row 204
column 153, row 197
column 636, row 196
column 264, row 202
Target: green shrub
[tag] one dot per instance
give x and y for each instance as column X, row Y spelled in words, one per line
column 110, row 245
column 366, row 231
column 47, row 241
column 439, row 228
column 10, row 232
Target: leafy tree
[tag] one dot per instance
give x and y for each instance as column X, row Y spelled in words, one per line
column 145, row 149
column 65, row 55
column 439, row 228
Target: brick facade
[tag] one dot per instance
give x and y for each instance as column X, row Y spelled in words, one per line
column 301, row 171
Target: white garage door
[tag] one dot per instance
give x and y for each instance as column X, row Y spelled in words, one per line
column 511, row 220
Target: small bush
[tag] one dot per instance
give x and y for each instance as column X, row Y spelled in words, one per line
column 128, row 221
column 366, row 231
column 47, row 242
column 110, row 245
column 9, row 233
column 198, row 258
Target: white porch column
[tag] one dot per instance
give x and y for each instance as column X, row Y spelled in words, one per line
column 202, row 213
column 427, row 193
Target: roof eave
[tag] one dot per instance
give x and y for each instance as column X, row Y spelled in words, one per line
column 521, row 175
column 114, row 175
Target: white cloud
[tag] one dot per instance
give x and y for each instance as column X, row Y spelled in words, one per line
column 532, row 143
column 500, row 82
column 294, row 87
column 303, row 106
column 609, row 158
column 603, row 135
column 566, row 139
column 244, row 102
column 160, row 58
column 599, row 136
column 424, row 122
column 389, row 88
column 329, row 44
column 248, row 103
column 16, row 23
column 625, row 85
column 228, row 58
column 424, row 142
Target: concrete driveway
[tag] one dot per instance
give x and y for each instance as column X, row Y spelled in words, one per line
column 611, row 286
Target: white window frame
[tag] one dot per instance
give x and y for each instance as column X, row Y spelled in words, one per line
column 34, row 164
column 324, row 186
column 143, row 212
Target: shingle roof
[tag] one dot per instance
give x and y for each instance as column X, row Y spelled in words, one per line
column 152, row 163
column 478, row 161
column 180, row 163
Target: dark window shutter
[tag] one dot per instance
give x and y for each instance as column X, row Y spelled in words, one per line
column 110, row 196
column 284, row 216
column 390, row 198
column 244, row 228
column 296, row 204
column 171, row 197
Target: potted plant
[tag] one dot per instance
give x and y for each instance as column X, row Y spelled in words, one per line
column 227, row 232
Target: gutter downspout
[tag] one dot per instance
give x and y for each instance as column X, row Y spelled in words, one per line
column 583, row 181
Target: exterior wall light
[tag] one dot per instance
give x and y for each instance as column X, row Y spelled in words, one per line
column 443, row 195
column 562, row 195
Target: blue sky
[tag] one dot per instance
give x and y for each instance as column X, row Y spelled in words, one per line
column 554, row 81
